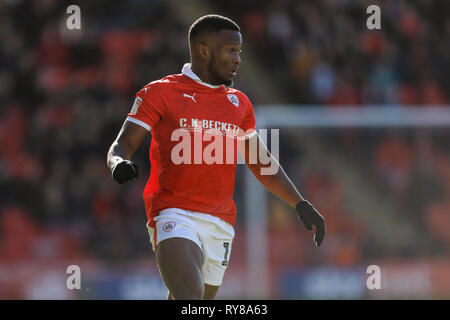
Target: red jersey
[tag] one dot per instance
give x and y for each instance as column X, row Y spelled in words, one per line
column 183, row 102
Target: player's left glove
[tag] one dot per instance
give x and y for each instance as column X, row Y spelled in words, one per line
column 309, row 216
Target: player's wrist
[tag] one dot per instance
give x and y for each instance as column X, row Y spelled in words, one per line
column 302, row 204
column 115, row 161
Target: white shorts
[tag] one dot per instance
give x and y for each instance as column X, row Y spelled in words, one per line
column 212, row 234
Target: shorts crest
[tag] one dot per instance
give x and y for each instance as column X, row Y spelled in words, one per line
column 169, row 226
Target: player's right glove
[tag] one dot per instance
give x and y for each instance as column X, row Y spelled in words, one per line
column 124, row 171
column 309, row 216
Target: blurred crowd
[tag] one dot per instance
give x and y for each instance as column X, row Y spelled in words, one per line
column 408, row 168
column 322, row 52
column 64, row 95
column 415, row 170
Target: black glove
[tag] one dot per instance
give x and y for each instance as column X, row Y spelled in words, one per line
column 124, row 171
column 309, row 216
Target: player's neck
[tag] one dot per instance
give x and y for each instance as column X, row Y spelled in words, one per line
column 203, row 74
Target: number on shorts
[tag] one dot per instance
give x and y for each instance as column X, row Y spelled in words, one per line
column 225, row 258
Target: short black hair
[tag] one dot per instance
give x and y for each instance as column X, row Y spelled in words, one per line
column 211, row 23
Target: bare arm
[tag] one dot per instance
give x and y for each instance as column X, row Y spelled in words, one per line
column 128, row 140
column 122, row 149
column 278, row 183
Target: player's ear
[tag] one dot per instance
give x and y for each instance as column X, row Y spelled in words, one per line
column 203, row 51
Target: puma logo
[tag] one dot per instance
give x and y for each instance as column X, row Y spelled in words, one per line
column 192, row 97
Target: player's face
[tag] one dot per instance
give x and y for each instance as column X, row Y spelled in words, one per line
column 225, row 59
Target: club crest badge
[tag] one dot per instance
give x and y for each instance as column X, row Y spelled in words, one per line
column 169, row 226
column 234, row 99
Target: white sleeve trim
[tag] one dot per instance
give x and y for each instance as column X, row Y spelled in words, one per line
column 139, row 122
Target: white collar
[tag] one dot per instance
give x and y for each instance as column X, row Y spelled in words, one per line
column 187, row 71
